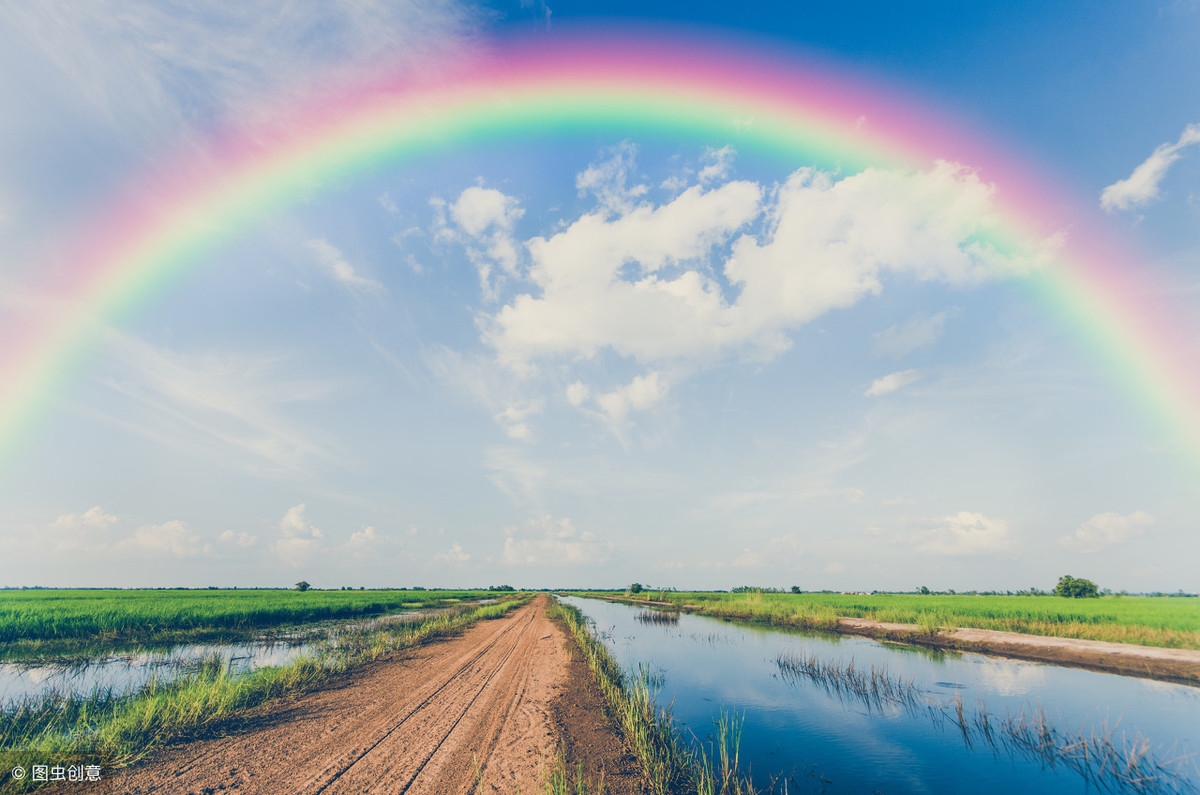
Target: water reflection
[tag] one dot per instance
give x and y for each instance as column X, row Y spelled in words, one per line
column 127, row 672
column 806, row 737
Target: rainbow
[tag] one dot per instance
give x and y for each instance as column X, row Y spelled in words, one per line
column 650, row 85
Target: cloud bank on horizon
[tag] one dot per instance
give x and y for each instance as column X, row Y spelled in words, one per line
column 575, row 362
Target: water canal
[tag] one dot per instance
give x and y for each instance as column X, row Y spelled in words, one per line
column 854, row 715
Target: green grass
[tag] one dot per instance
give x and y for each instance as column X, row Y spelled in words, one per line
column 101, row 729
column 1171, row 622
column 672, row 765
column 38, row 623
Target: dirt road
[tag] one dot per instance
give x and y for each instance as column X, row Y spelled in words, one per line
column 468, row 715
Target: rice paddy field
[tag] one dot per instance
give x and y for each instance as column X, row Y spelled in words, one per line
column 1171, row 622
column 55, row 621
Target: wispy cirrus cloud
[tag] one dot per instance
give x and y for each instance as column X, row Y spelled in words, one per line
column 1142, row 186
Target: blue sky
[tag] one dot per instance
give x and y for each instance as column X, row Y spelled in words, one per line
column 444, row 374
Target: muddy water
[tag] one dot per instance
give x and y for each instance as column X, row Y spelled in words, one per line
column 127, row 672
column 802, row 734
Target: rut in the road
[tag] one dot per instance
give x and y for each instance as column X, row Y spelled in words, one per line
column 469, row 715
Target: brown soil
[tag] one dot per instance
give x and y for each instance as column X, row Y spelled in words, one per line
column 588, row 733
column 1154, row 662
column 479, row 713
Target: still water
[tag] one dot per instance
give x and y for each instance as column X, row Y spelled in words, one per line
column 802, row 734
column 127, row 672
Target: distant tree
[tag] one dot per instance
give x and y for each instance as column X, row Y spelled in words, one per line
column 635, row 588
column 795, row 589
column 924, row 591
column 303, row 585
column 501, row 588
column 1076, row 588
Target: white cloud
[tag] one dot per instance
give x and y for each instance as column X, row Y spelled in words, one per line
column 1142, row 185
column 513, row 417
column 333, row 261
column 640, row 282
column 174, row 538
column 94, row 517
column 919, row 331
column 237, row 539
column 479, row 210
column 586, row 303
column 453, row 555
column 485, row 218
column 964, row 533
column 577, row 393
column 1105, row 529
column 718, row 163
column 234, row 400
column 608, row 180
column 364, row 542
column 90, row 530
column 552, row 542
column 298, row 540
column 640, row 394
column 748, row 559
column 891, row 382
column 150, row 67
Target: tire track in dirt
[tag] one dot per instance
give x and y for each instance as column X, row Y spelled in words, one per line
column 466, row 715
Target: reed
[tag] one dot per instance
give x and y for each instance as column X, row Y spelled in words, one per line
column 658, row 617
column 874, row 687
column 102, row 729
column 671, row 765
column 1106, row 758
column 1171, row 622
column 562, row 779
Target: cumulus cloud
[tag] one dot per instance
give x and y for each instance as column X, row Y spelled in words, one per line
column 891, row 382
column 341, row 271
column 1142, row 185
column 364, row 542
column 298, row 539
column 453, row 555
column 74, row 531
column 552, row 542
column 919, row 331
column 169, row 538
column 717, row 273
column 964, row 533
column 483, row 220
column 1106, row 529
column 237, row 539
column 639, row 394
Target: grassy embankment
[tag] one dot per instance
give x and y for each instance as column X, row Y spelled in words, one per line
column 41, row 623
column 672, row 764
column 114, row 731
column 1151, row 621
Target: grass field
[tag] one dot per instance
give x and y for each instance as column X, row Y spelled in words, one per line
column 51, row 619
column 1171, row 622
column 113, row 731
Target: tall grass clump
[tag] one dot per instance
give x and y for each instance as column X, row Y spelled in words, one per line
column 562, row 779
column 873, row 687
column 670, row 764
column 1107, row 760
column 111, row 731
column 658, row 617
